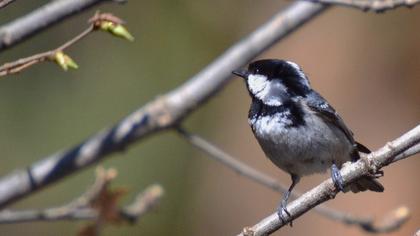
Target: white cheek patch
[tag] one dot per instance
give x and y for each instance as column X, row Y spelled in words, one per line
column 267, row 91
column 257, row 84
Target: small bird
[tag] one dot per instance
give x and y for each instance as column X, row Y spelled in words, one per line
column 298, row 130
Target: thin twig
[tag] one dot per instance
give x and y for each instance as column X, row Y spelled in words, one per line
column 4, row 3
column 143, row 203
column 76, row 39
column 51, row 214
column 159, row 114
column 365, row 223
column 371, row 5
column 231, row 162
column 390, row 222
column 42, row 18
column 78, row 209
column 81, row 208
column 23, row 63
column 369, row 164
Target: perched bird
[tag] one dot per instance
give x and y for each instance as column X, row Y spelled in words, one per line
column 298, row 130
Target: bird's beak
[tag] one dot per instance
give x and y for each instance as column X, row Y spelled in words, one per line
column 241, row 73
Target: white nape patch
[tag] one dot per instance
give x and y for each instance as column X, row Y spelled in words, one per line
column 267, row 91
column 299, row 71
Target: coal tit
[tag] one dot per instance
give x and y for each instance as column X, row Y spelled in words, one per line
column 298, row 130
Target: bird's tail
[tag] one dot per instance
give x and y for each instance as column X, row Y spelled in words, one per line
column 365, row 183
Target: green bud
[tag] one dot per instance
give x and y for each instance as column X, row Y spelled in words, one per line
column 116, row 29
column 70, row 63
column 64, row 61
column 60, row 59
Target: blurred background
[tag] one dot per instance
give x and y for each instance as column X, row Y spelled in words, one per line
column 367, row 65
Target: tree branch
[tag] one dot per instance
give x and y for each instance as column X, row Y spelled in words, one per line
column 143, row 203
column 41, row 18
column 407, row 153
column 81, row 208
column 371, row 5
column 23, row 63
column 391, row 222
column 52, row 55
column 159, row 114
column 367, row 165
column 4, row 3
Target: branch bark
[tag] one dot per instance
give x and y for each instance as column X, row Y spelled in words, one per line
column 4, row 3
column 159, row 114
column 23, row 63
column 371, row 5
column 81, row 208
column 369, row 164
column 51, row 55
column 391, row 222
column 42, row 18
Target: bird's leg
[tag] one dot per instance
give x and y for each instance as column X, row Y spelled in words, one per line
column 282, row 208
column 336, row 177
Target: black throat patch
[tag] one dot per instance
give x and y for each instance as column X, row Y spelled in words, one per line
column 291, row 110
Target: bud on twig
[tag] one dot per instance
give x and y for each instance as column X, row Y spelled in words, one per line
column 116, row 29
column 64, row 61
column 110, row 23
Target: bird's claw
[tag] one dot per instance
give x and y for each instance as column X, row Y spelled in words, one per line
column 282, row 213
column 337, row 178
column 378, row 174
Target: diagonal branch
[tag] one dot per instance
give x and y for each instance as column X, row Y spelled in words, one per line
column 371, row 5
column 326, row 190
column 407, row 153
column 4, row 3
column 81, row 208
column 232, row 163
column 41, row 18
column 159, row 114
column 391, row 222
column 78, row 209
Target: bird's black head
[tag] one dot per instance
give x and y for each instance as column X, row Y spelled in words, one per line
column 272, row 81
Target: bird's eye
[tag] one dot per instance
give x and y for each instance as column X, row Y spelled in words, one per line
column 257, row 71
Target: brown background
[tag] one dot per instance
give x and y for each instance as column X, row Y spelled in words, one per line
column 367, row 65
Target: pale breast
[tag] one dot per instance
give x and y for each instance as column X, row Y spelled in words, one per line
column 302, row 149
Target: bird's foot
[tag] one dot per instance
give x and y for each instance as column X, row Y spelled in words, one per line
column 378, row 174
column 337, row 178
column 283, row 213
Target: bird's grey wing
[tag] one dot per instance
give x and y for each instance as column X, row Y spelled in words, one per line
column 319, row 105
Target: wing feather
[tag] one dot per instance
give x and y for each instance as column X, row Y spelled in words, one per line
column 318, row 104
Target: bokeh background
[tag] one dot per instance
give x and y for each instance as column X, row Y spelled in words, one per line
column 367, row 65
